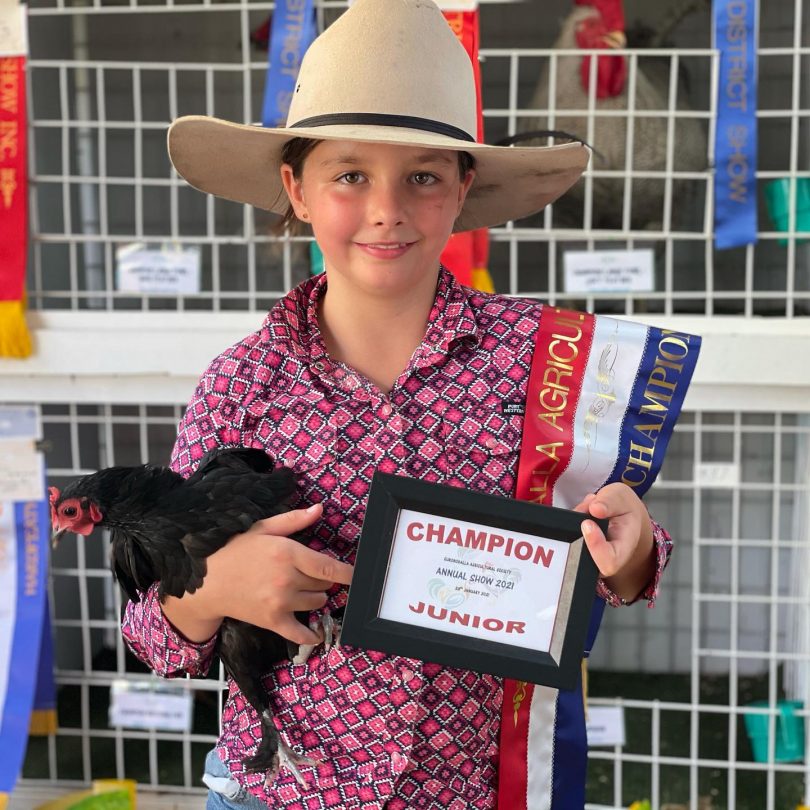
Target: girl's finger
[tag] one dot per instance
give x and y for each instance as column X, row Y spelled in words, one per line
column 290, row 628
column 582, row 506
column 308, row 600
column 321, row 566
column 290, row 522
column 605, row 555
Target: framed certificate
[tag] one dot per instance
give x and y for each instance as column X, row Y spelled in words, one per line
column 472, row 581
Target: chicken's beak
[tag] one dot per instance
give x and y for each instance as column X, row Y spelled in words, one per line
column 56, row 537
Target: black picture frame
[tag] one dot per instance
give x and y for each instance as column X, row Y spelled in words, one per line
column 364, row 627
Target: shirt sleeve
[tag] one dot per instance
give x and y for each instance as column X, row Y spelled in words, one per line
column 663, row 547
column 155, row 641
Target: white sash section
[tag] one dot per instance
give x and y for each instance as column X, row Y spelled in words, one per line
column 609, row 377
column 540, row 765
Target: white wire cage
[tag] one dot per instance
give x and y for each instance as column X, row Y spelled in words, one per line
column 112, row 369
column 102, row 179
column 730, row 626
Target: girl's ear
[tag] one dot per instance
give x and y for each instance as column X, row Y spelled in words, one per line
column 463, row 188
column 294, row 189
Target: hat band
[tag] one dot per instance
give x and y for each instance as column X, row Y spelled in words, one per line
column 383, row 120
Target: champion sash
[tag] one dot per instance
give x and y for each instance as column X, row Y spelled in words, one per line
column 293, row 29
column 24, row 533
column 735, row 185
column 602, row 401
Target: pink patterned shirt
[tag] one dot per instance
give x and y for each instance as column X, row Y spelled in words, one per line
column 391, row 732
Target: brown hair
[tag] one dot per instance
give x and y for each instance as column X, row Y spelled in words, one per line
column 297, row 150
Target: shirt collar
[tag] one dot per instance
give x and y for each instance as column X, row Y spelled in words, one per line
column 294, row 319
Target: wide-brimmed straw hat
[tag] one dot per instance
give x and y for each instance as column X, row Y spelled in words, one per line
column 386, row 71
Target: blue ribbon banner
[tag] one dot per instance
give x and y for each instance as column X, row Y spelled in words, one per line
column 293, row 29
column 24, row 533
column 735, row 148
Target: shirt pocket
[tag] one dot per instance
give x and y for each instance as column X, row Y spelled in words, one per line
column 306, row 442
column 481, row 449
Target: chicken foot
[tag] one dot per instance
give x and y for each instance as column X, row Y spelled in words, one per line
column 329, row 629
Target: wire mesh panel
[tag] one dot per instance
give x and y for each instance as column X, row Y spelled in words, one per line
column 102, row 179
column 730, row 627
column 86, row 608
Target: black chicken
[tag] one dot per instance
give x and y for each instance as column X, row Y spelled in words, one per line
column 163, row 528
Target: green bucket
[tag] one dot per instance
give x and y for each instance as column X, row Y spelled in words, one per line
column 777, row 200
column 789, row 729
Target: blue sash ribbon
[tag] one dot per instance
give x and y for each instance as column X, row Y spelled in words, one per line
column 735, row 148
column 293, row 29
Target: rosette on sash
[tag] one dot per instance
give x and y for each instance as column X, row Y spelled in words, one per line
column 15, row 340
column 602, row 401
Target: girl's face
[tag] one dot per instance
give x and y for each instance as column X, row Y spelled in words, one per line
column 381, row 214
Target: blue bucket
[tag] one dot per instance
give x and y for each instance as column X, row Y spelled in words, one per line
column 777, row 200
column 789, row 729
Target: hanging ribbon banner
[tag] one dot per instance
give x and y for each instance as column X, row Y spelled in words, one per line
column 293, row 29
column 24, row 534
column 602, row 401
column 735, row 148
column 15, row 340
column 467, row 254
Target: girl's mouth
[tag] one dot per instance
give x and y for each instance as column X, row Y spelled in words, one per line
column 385, row 250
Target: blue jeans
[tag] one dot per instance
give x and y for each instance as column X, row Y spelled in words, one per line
column 224, row 792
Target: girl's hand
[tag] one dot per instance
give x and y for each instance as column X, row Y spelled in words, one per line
column 625, row 557
column 262, row 577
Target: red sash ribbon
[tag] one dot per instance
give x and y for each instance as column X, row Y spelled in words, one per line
column 560, row 356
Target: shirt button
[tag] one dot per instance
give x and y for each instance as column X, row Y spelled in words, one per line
column 407, row 675
column 386, row 410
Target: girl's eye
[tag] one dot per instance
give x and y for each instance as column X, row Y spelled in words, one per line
column 425, row 179
column 351, row 178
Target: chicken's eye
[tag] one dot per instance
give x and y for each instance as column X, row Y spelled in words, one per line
column 69, row 511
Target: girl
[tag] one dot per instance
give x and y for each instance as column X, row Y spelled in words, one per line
column 383, row 362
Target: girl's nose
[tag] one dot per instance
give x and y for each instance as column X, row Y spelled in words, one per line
column 387, row 205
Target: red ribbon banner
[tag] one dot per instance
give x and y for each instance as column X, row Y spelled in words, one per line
column 467, row 254
column 14, row 338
